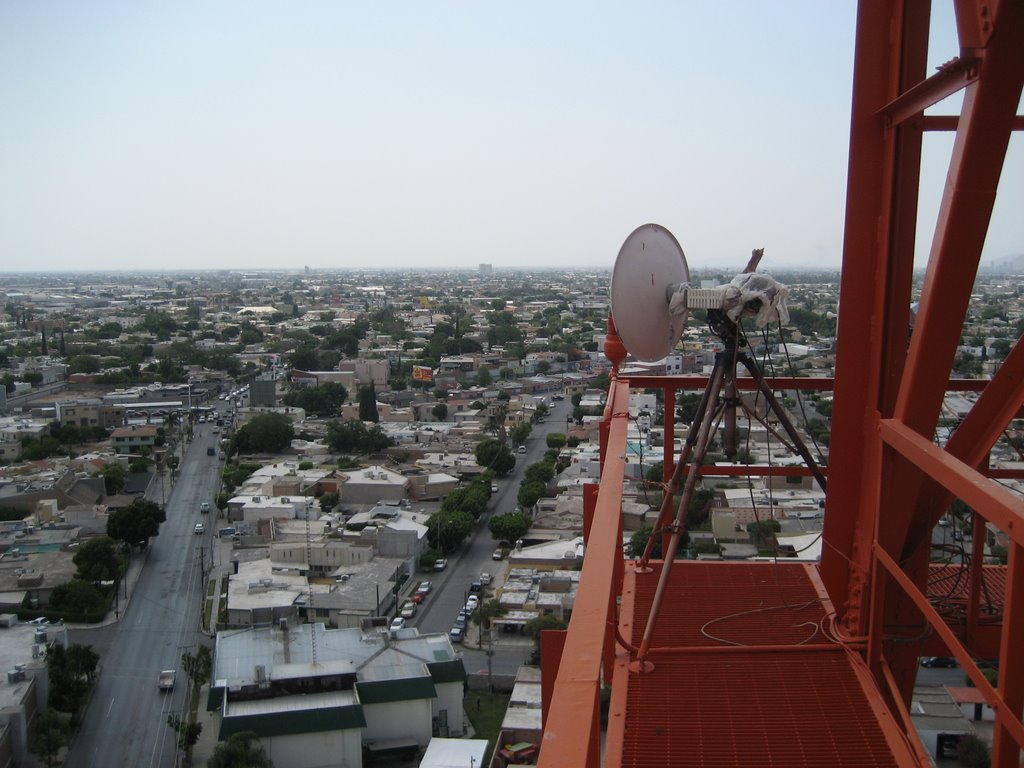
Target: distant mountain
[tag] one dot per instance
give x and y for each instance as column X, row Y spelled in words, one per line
column 1007, row 265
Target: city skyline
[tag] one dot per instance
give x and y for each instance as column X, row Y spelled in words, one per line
column 242, row 137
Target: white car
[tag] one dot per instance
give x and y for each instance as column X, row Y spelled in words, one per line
column 204, row 507
column 397, row 623
column 408, row 609
column 485, row 578
column 494, row 487
column 200, row 528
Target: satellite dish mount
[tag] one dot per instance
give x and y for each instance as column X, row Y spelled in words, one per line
column 651, row 298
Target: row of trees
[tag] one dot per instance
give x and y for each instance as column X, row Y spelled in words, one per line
column 449, row 527
column 273, row 433
column 71, row 671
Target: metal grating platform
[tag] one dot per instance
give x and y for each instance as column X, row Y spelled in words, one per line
column 745, row 674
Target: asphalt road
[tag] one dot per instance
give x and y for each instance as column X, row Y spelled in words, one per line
column 451, row 587
column 126, row 721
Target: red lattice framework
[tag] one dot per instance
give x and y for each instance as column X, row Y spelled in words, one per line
column 888, row 482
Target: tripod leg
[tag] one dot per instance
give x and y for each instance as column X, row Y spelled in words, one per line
column 783, row 417
column 700, row 451
column 668, row 495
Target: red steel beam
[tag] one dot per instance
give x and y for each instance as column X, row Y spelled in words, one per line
column 992, row 501
column 572, row 731
column 988, row 113
column 1001, row 400
column 951, row 77
column 1006, row 741
column 850, row 502
column 1013, row 726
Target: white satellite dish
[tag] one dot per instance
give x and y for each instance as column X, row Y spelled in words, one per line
column 649, row 268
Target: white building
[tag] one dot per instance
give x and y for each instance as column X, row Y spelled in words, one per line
column 311, row 709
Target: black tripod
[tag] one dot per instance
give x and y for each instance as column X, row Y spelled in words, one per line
column 718, row 402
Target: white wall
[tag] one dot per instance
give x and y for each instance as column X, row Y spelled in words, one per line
column 399, row 720
column 328, row 749
column 449, row 697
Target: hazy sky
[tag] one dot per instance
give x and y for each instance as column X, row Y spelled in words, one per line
column 222, row 134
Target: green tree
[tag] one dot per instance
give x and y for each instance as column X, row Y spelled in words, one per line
column 113, row 478
column 198, row 665
column 510, row 526
column 50, row 733
column 96, row 560
column 266, row 433
column 323, row 400
column 973, row 752
column 446, row 530
column 83, row 364
column 67, row 688
column 368, row 403
column 329, row 501
column 440, row 411
column 82, row 662
column 135, row 523
column 530, row 493
column 555, row 440
column 638, row 543
column 77, row 596
column 520, row 432
column 187, row 732
column 304, row 359
column 541, row 624
column 762, row 532
column 489, row 610
column 495, row 456
column 241, row 750
column 541, row 472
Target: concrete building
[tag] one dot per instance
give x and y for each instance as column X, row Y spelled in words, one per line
column 374, row 484
column 24, row 692
column 317, row 696
column 132, row 439
column 89, row 412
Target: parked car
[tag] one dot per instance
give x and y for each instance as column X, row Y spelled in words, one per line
column 460, row 620
column 200, row 528
column 476, row 586
column 938, row 661
column 485, row 579
column 425, row 587
column 521, row 449
column 408, row 609
column 498, row 554
column 494, row 487
column 397, row 623
column 440, row 564
column 472, row 603
column 456, row 634
column 418, row 597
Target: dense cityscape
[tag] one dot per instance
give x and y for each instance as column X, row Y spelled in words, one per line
column 346, row 463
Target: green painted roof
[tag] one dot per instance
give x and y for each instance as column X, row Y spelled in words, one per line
column 295, row 721
column 447, row 671
column 408, row 689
